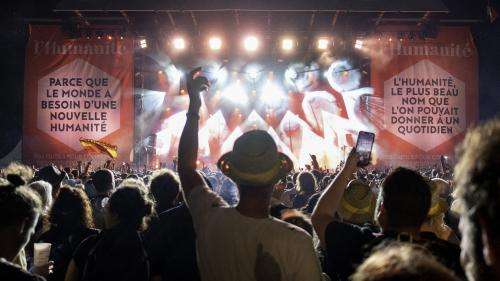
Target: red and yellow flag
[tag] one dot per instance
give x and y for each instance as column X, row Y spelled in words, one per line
column 100, row 147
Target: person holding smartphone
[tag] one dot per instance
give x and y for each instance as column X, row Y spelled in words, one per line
column 403, row 204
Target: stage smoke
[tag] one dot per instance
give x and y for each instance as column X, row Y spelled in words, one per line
column 272, row 94
column 235, row 93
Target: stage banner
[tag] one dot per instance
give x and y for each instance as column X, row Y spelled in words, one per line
column 76, row 89
column 429, row 89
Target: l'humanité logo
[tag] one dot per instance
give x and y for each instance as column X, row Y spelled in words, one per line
column 430, row 49
column 78, row 100
column 78, row 48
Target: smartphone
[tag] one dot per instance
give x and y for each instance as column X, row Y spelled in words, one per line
column 445, row 165
column 364, row 147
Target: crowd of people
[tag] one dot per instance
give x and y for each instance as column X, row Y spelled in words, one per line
column 255, row 218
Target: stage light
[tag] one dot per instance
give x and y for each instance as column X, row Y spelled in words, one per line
column 216, row 73
column 174, row 75
column 302, row 77
column 287, row 44
column 179, row 43
column 291, row 75
column 152, row 101
column 143, row 43
column 272, row 94
column 219, row 74
column 359, row 44
column 251, row 43
column 323, row 43
column 235, row 93
column 253, row 72
column 215, row 43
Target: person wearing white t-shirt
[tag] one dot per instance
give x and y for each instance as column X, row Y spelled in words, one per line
column 245, row 242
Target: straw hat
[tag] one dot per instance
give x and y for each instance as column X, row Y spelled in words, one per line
column 255, row 160
column 358, row 203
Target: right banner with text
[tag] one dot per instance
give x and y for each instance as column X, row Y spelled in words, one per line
column 429, row 88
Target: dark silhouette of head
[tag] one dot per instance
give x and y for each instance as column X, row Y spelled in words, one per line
column 404, row 201
column 20, row 208
column 129, row 205
column 306, row 183
column 165, row 188
column 71, row 209
column 477, row 195
column 52, row 175
column 103, row 181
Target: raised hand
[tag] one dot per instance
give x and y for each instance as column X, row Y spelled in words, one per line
column 351, row 163
column 196, row 84
column 188, row 143
column 314, row 162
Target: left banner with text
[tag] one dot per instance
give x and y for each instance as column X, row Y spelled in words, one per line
column 76, row 89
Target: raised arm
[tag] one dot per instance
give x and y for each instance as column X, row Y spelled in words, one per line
column 329, row 201
column 188, row 144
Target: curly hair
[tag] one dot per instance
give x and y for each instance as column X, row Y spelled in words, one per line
column 130, row 203
column 477, row 191
column 165, row 188
column 15, row 168
column 400, row 261
column 71, row 209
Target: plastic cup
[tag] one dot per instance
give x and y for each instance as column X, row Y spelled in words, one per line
column 41, row 253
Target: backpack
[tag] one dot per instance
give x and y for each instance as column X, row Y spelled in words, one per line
column 108, row 260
